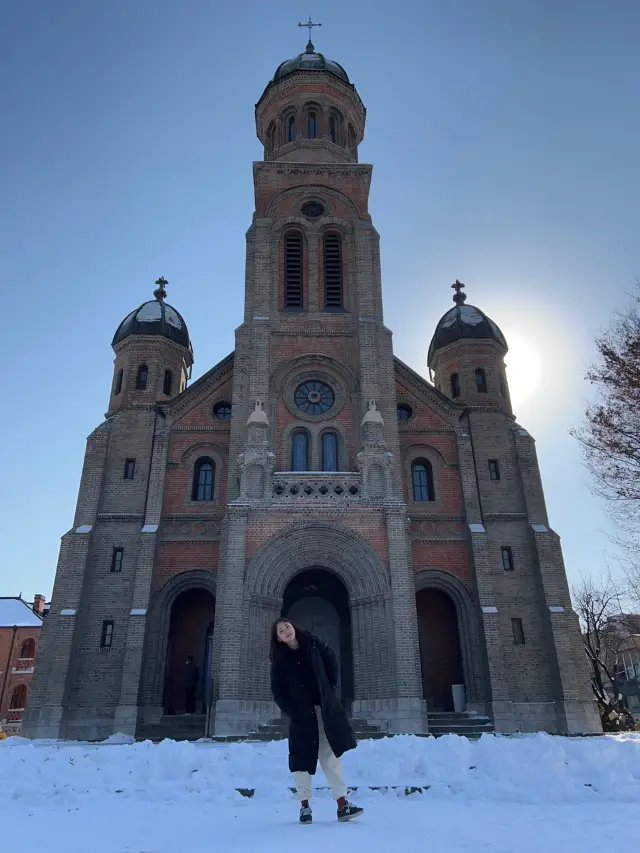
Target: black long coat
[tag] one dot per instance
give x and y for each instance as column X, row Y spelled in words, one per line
column 291, row 697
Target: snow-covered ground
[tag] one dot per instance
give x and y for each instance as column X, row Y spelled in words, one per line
column 504, row 795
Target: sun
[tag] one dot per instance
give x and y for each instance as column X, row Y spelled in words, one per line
column 524, row 369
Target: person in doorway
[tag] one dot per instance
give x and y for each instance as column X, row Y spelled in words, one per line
column 304, row 674
column 191, row 677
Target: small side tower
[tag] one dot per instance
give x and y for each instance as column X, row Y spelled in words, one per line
column 153, row 354
column 86, row 684
column 467, row 354
column 536, row 668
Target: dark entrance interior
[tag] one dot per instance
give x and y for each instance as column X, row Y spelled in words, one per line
column 318, row 601
column 440, row 654
column 190, row 633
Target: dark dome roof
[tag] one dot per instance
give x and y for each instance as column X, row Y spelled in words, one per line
column 155, row 317
column 464, row 321
column 310, row 60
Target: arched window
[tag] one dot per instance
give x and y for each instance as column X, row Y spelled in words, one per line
column 293, row 270
column 28, row 648
column 300, row 450
column 311, row 124
column 291, row 128
column 422, row 480
column 203, row 480
column 119, row 379
column 481, row 381
column 141, row 379
column 271, row 137
column 330, row 451
column 352, row 138
column 19, row 697
column 503, row 386
column 455, row 385
column 333, row 129
column 332, row 271
column 166, row 385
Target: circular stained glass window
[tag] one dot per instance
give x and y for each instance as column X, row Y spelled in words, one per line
column 404, row 412
column 222, row 411
column 312, row 209
column 314, row 397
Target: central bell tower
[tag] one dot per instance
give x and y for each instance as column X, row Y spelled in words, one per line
column 313, row 262
column 314, row 426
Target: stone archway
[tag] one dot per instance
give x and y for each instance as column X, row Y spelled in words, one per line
column 466, row 626
column 366, row 582
column 317, row 601
column 158, row 628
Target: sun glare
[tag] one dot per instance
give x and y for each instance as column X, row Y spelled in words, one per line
column 524, row 370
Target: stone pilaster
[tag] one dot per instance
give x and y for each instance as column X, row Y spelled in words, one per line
column 500, row 705
column 126, row 716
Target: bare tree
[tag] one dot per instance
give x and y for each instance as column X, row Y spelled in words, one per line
column 605, row 629
column 610, row 435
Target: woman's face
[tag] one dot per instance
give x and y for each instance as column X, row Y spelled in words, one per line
column 286, row 632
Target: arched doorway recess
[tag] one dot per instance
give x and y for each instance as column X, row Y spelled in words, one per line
column 190, row 633
column 317, row 600
column 440, row 653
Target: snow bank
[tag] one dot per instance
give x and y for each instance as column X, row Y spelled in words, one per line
column 525, row 769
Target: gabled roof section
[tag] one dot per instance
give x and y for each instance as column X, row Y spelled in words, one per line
column 195, row 393
column 441, row 404
column 15, row 612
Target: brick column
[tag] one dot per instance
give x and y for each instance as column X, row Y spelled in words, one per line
column 126, row 716
column 501, row 707
column 411, row 709
column 44, row 715
column 231, row 620
column 576, row 708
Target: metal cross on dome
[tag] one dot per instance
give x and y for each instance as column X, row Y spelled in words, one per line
column 309, row 26
column 459, row 297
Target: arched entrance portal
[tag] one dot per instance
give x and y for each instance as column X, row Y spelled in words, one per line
column 190, row 633
column 317, row 601
column 440, row 653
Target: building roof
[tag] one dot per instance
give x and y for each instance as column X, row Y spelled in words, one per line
column 463, row 321
column 310, row 60
column 18, row 613
column 155, row 317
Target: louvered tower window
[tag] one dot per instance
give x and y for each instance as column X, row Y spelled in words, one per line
column 332, row 271
column 293, row 270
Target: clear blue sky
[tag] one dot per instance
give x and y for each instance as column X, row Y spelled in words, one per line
column 504, row 136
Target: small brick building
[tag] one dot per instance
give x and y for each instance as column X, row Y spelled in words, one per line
column 20, row 626
column 312, row 473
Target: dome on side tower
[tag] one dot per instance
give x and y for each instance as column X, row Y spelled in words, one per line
column 155, row 317
column 463, row 321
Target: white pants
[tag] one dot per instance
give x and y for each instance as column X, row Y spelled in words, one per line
column 331, row 766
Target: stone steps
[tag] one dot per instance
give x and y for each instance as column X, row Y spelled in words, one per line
column 174, row 727
column 458, row 723
column 192, row 728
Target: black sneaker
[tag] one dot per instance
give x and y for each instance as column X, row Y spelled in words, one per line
column 305, row 814
column 349, row 811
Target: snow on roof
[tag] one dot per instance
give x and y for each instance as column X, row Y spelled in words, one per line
column 15, row 611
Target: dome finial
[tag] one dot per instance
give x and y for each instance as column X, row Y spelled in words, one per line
column 459, row 297
column 160, row 292
column 309, row 48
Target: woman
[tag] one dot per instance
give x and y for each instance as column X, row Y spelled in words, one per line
column 304, row 674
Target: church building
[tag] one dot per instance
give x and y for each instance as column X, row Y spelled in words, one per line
column 313, row 474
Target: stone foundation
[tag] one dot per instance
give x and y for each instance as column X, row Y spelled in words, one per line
column 396, row 716
column 236, row 717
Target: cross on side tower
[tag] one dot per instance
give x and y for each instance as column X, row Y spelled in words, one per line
column 309, row 26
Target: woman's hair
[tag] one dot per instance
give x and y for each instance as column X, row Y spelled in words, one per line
column 275, row 646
